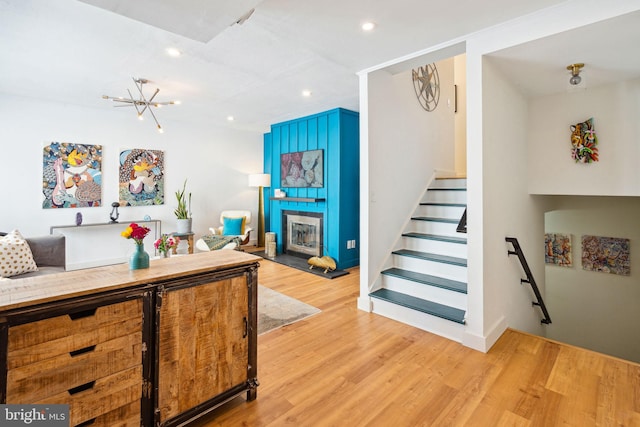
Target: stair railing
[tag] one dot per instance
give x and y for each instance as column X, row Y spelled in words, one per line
column 517, row 250
column 462, row 225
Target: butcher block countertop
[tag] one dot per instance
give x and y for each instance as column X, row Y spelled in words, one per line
column 18, row 293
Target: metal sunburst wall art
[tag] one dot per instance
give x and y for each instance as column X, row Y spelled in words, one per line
column 426, row 83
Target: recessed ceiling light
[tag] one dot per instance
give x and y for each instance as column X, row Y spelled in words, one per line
column 368, row 26
column 172, row 51
column 231, row 118
column 306, row 93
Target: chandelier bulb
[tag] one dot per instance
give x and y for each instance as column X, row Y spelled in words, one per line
column 160, row 130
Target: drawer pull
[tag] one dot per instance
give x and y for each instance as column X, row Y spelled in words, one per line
column 82, row 314
column 86, row 423
column 75, row 353
column 82, row 387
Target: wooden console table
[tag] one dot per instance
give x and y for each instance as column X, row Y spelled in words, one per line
column 155, row 347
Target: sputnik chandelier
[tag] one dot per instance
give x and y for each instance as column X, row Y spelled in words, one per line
column 142, row 104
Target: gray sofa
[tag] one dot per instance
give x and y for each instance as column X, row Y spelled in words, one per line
column 48, row 253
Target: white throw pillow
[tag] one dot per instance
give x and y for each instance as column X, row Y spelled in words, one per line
column 15, row 255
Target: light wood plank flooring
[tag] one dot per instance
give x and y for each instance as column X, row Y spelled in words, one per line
column 345, row 367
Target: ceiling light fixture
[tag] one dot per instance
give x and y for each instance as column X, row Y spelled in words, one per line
column 368, row 26
column 306, row 93
column 143, row 104
column 172, row 51
column 575, row 73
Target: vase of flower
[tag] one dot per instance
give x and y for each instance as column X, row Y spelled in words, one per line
column 165, row 244
column 139, row 258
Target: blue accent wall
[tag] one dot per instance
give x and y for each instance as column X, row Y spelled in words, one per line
column 336, row 132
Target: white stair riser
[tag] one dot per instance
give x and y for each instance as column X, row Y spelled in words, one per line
column 438, row 211
column 449, row 183
column 426, row 292
column 446, row 196
column 440, row 269
column 458, row 250
column 436, row 325
column 434, row 227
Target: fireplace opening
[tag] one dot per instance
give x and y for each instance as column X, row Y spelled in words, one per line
column 302, row 233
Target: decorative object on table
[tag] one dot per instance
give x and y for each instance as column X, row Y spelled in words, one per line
column 79, row 219
column 147, row 218
column 270, row 244
column 141, row 178
column 114, row 212
column 165, row 244
column 142, row 104
column 557, row 249
column 302, row 169
column 278, row 193
column 183, row 211
column 71, row 175
column 326, row 262
column 139, row 259
column 583, row 142
column 260, row 180
column 426, row 83
column 606, row 254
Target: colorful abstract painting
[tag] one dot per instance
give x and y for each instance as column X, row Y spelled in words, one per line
column 302, row 169
column 141, row 177
column 557, row 249
column 71, row 175
column 606, row 254
column 584, row 142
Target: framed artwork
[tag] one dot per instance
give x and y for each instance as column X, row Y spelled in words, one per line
column 302, row 169
column 557, row 249
column 606, row 254
column 71, row 175
column 141, row 177
column 584, row 142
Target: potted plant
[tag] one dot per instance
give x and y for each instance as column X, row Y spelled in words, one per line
column 183, row 211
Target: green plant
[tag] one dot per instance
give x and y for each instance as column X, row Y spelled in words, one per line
column 183, row 211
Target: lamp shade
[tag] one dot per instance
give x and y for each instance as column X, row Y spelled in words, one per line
column 260, row 180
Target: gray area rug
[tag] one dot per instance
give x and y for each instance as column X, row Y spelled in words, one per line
column 276, row 310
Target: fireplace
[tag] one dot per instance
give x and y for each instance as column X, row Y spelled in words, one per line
column 302, row 233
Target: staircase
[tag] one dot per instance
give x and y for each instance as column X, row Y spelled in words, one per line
column 426, row 287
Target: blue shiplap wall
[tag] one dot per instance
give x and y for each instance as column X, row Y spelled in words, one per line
column 337, row 133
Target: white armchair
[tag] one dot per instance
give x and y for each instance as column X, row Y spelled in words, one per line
column 219, row 231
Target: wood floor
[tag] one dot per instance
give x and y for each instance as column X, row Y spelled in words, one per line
column 345, row 367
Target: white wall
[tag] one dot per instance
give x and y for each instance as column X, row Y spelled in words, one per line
column 460, row 80
column 405, row 145
column 216, row 163
column 594, row 310
column 506, row 210
column 615, row 110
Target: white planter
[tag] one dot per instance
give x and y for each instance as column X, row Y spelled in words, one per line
column 183, row 226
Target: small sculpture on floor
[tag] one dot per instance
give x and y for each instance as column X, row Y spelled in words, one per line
column 326, row 262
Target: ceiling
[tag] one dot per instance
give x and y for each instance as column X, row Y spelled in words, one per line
column 74, row 51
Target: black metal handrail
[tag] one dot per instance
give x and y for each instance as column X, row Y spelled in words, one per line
column 530, row 280
column 462, row 225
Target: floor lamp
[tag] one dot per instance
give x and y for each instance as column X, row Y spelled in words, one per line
column 260, row 180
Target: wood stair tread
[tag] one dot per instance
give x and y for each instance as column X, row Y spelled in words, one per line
column 427, row 279
column 428, row 307
column 432, row 257
column 439, row 237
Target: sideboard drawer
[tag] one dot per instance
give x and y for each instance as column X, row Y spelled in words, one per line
column 109, row 395
column 43, row 339
column 48, row 377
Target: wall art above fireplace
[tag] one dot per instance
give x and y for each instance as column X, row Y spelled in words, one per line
column 302, row 169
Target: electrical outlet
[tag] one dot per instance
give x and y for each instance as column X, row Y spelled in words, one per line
column 353, row 244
